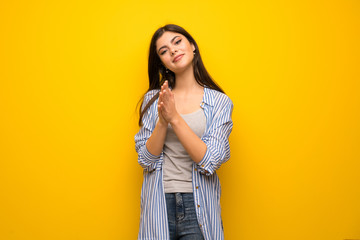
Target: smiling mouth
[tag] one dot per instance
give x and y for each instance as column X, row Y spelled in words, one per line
column 178, row 58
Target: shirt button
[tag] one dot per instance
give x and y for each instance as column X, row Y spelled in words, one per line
column 202, row 165
column 197, row 187
column 200, row 225
column 195, row 169
column 198, row 205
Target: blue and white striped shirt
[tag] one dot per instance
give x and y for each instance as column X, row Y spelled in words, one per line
column 206, row 186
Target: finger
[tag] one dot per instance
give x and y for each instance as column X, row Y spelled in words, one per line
column 162, row 92
column 161, row 107
column 162, row 95
column 161, row 89
column 165, row 96
column 171, row 93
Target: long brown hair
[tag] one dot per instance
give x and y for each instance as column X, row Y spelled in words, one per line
column 157, row 71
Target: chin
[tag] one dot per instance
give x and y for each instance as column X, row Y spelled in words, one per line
column 181, row 68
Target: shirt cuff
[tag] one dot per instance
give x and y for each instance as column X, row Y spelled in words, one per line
column 205, row 165
column 149, row 156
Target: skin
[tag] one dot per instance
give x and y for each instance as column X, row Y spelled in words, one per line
column 185, row 97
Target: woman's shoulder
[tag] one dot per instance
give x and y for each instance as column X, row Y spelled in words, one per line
column 218, row 98
column 150, row 94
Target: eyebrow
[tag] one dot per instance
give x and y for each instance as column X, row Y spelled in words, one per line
column 170, row 41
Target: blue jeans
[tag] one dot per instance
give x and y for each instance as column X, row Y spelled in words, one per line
column 182, row 219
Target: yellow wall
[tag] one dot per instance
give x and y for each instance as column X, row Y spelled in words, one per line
column 71, row 73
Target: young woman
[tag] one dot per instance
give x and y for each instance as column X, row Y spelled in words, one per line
column 185, row 121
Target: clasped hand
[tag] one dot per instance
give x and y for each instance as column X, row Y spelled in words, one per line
column 166, row 105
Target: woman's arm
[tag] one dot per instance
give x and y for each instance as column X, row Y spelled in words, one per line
column 193, row 145
column 155, row 143
column 216, row 137
column 213, row 149
column 149, row 136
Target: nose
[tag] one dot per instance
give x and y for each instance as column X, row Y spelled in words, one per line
column 173, row 51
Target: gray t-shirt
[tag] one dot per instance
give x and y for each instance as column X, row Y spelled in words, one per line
column 177, row 166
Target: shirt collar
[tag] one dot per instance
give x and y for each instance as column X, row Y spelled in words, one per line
column 208, row 96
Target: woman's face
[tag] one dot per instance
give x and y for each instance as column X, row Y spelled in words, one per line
column 175, row 51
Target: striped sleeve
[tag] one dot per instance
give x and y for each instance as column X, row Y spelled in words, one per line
column 217, row 138
column 146, row 160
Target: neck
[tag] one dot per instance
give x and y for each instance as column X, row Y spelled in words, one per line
column 185, row 81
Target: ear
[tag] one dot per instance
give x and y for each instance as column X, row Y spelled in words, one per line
column 193, row 47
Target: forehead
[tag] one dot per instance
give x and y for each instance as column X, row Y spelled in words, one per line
column 166, row 38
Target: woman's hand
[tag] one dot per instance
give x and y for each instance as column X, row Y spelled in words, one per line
column 167, row 104
column 161, row 118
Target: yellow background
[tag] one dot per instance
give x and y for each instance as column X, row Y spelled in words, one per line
column 72, row 72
